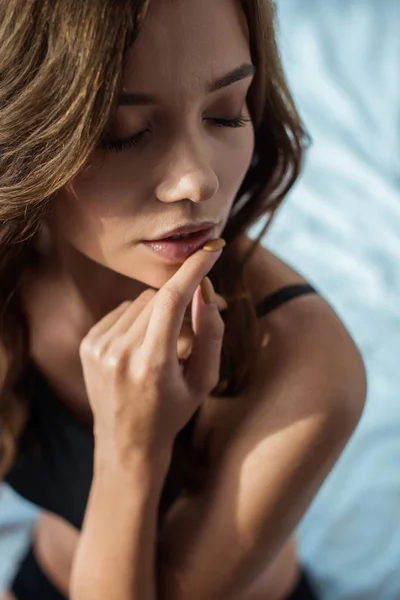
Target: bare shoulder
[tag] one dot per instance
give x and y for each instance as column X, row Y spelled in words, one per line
column 305, row 330
column 309, row 362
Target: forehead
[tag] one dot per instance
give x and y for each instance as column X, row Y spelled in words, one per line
column 184, row 44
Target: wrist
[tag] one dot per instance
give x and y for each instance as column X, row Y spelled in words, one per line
column 133, row 465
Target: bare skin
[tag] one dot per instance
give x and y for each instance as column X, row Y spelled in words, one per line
column 185, row 169
column 55, row 540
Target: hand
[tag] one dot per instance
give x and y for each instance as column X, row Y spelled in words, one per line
column 139, row 394
column 186, row 336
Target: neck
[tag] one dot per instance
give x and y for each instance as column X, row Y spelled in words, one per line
column 98, row 288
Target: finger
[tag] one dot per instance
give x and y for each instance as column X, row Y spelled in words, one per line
column 108, row 321
column 185, row 341
column 135, row 335
column 221, row 303
column 122, row 315
column 142, row 322
column 171, row 302
column 202, row 371
column 122, row 325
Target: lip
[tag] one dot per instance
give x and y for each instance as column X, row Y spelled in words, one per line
column 177, row 251
column 184, row 229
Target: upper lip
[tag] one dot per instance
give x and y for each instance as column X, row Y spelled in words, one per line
column 185, row 229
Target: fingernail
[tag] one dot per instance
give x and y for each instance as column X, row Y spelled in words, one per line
column 214, row 245
column 184, row 349
column 207, row 291
column 222, row 303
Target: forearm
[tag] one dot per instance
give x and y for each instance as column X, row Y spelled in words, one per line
column 116, row 555
column 259, row 493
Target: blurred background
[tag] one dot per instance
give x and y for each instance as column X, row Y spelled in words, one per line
column 340, row 228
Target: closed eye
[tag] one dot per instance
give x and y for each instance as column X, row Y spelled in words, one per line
column 239, row 121
column 138, row 138
column 119, row 145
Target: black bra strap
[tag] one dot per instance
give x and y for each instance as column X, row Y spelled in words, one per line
column 268, row 304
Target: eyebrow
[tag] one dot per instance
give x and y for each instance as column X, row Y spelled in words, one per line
column 242, row 72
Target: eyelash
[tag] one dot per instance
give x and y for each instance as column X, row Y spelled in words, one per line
column 119, row 145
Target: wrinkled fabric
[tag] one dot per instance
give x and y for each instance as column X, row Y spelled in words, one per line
column 340, row 228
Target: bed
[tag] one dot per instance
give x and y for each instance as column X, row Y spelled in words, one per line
column 340, row 227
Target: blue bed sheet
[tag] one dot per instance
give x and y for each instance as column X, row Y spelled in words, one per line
column 341, row 228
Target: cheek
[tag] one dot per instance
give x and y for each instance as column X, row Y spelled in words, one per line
column 235, row 164
column 104, row 189
column 104, row 193
column 89, row 213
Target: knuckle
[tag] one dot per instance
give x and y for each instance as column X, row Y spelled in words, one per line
column 147, row 295
column 92, row 350
column 83, row 347
column 150, row 370
column 116, row 359
column 126, row 304
column 103, row 352
column 86, row 347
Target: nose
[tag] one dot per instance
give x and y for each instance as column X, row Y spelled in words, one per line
column 187, row 174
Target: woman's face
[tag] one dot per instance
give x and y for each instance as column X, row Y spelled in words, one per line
column 184, row 154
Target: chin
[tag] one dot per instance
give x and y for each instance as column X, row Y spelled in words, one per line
column 152, row 273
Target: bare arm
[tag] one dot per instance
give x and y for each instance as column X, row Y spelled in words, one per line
column 265, row 474
column 285, row 434
column 141, row 398
column 272, row 462
column 117, row 546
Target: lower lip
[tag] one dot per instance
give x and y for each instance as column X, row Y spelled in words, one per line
column 179, row 250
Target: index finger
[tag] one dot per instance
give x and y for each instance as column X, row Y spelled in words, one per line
column 173, row 298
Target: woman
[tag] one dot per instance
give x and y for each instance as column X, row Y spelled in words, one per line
column 184, row 433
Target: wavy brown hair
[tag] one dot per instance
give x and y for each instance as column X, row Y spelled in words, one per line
column 60, row 73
